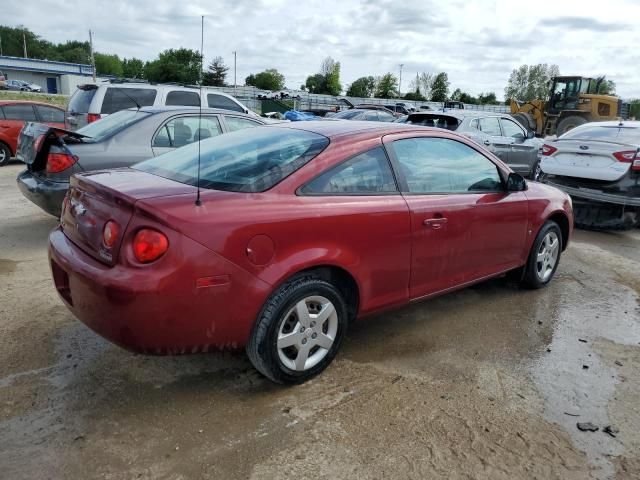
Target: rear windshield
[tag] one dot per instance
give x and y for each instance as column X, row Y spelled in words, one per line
column 434, row 120
column 81, row 100
column 110, row 125
column 252, row 160
column 119, row 98
column 347, row 114
column 615, row 134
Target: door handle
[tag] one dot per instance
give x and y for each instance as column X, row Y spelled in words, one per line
column 434, row 222
column 487, row 142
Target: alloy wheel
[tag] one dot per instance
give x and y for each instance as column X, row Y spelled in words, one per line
column 547, row 256
column 307, row 333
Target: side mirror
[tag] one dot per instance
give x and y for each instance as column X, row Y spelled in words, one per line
column 530, row 134
column 516, row 183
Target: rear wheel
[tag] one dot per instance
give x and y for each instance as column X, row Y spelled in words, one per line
column 569, row 123
column 299, row 331
column 544, row 256
column 5, row 154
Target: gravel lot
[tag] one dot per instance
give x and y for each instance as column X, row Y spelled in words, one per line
column 488, row 382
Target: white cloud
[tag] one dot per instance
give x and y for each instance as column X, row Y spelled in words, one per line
column 477, row 43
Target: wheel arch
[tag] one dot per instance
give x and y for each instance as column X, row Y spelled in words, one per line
column 561, row 219
column 6, row 144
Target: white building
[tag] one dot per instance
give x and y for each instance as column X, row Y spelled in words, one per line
column 53, row 77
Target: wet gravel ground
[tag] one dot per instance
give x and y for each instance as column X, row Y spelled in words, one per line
column 488, row 382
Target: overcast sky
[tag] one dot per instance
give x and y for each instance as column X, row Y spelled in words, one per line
column 478, row 43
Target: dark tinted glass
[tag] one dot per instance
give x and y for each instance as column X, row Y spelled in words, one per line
column 612, row 133
column 248, row 160
column 366, row 174
column 81, row 100
column 116, row 99
column 50, row 114
column 220, row 101
column 178, row 97
column 440, row 165
column 20, row 112
column 347, row 114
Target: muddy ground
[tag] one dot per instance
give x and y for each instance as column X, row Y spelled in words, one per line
column 488, row 382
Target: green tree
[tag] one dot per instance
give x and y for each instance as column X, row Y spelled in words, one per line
column 270, row 79
column 440, row 87
column 316, row 83
column 132, row 68
column 327, row 81
column 180, row 65
column 606, row 87
column 634, row 109
column 362, row 87
column 530, row 82
column 216, row 73
column 386, row 86
column 108, row 64
column 455, row 96
column 488, row 98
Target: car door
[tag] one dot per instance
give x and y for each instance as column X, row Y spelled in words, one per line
column 493, row 139
column 182, row 130
column 465, row 226
column 523, row 153
column 14, row 117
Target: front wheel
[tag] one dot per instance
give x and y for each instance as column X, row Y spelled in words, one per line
column 544, row 256
column 299, row 331
column 5, row 154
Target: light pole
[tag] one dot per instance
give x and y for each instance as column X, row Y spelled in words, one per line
column 234, row 72
column 400, row 82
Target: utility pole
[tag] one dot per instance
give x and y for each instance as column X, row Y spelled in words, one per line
column 24, row 43
column 93, row 60
column 234, row 72
column 400, row 82
column 0, row 45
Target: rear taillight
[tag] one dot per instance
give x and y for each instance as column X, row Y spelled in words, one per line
column 627, row 156
column 110, row 233
column 149, row 245
column 93, row 117
column 57, row 162
column 548, row 150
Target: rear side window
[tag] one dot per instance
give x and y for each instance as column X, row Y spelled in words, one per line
column 238, row 123
column 179, row 97
column 490, row 126
column 220, row 101
column 117, row 98
column 182, row 131
column 366, row 174
column 50, row 114
column 81, row 100
column 250, row 160
column 20, row 112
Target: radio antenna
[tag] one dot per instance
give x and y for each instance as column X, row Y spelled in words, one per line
column 198, row 202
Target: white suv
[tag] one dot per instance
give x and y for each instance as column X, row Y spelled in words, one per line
column 93, row 101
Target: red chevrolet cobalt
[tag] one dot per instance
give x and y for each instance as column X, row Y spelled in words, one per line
column 300, row 229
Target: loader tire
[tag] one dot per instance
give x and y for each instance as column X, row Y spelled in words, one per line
column 569, row 123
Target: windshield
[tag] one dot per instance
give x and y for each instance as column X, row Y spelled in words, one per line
column 81, row 100
column 242, row 161
column 609, row 133
column 112, row 124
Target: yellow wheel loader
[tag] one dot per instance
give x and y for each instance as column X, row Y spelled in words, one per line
column 572, row 102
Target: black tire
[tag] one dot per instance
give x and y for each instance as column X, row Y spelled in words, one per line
column 526, row 120
column 5, row 154
column 531, row 278
column 262, row 348
column 568, row 123
column 536, row 171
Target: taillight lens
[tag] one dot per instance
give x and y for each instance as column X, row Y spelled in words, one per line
column 110, row 233
column 93, row 117
column 57, row 162
column 627, row 156
column 548, row 150
column 149, row 245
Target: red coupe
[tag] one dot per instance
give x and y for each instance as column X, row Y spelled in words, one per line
column 299, row 230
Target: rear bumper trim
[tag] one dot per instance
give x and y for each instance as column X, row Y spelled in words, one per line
column 596, row 196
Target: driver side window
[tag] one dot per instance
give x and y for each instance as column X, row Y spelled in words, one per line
column 441, row 165
column 512, row 130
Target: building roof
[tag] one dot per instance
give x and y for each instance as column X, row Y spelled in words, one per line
column 45, row 66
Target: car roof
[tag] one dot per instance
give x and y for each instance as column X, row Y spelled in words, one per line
column 615, row 123
column 337, row 128
column 460, row 114
column 29, row 102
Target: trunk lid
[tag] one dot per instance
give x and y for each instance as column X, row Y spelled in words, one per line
column 586, row 159
column 97, row 197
